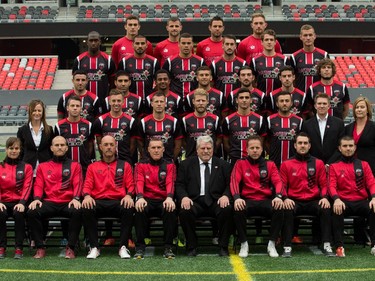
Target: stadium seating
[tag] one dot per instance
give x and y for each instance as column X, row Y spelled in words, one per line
column 298, row 12
column 13, row 115
column 28, row 13
column 356, row 71
column 27, row 73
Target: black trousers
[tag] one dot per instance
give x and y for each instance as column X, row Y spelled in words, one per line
column 353, row 208
column 48, row 210
column 19, row 225
column 155, row 208
column 107, row 208
column 258, row 208
column 224, row 218
column 310, row 208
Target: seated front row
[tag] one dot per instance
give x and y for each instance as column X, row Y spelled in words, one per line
column 204, row 187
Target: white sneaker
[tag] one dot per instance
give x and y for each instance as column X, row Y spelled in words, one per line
column 373, row 251
column 93, row 254
column 124, row 253
column 272, row 252
column 244, row 251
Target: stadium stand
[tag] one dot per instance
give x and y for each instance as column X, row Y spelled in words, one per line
column 28, row 13
column 27, row 73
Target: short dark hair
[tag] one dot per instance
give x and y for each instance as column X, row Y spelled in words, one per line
column 325, row 62
column 346, row 138
column 286, row 68
column 139, row 36
column 131, row 17
column 242, row 90
column 121, row 73
column 204, row 68
column 254, row 137
column 229, row 36
column 302, row 134
column 323, row 96
column 216, row 18
column 79, row 72
column 246, row 67
column 73, row 97
column 282, row 93
column 270, row 32
column 185, row 35
column 162, row 71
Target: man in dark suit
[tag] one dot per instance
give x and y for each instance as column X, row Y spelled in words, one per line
column 324, row 130
column 202, row 189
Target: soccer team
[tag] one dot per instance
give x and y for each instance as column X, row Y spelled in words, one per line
column 262, row 134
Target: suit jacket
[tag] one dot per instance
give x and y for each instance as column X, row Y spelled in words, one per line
column 189, row 183
column 30, row 153
column 366, row 143
column 333, row 132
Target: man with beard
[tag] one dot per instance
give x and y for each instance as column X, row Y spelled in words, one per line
column 225, row 70
column 238, row 126
column 200, row 123
column 251, row 46
column 211, row 48
column 169, row 47
column 132, row 105
column 98, row 65
column 336, row 90
column 91, row 108
column 246, row 78
column 174, row 104
column 282, row 127
column 141, row 67
column 216, row 98
column 287, row 77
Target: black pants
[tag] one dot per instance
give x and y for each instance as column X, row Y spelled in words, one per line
column 107, row 208
column 155, row 208
column 353, row 208
column 19, row 225
column 224, row 218
column 310, row 208
column 48, row 210
column 258, row 208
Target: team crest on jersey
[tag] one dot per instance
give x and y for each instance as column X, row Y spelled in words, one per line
column 210, row 125
column 119, row 172
column 212, row 100
column 359, row 172
column 83, row 130
column 296, row 102
column 294, row 125
column 101, row 65
column 237, row 69
column 168, row 128
column 253, row 124
column 123, row 125
column 123, row 48
column 247, row 173
column 49, row 174
column 131, row 104
column 4, row 175
column 66, row 172
column 170, row 103
column 165, row 50
column 86, row 105
column 208, row 49
column 263, row 174
column 163, row 175
column 20, row 174
column 193, row 67
column 311, row 171
column 147, row 65
column 252, row 47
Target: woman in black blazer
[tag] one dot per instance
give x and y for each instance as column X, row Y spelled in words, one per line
column 36, row 136
column 363, row 131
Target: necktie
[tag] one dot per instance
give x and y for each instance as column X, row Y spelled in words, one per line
column 207, row 174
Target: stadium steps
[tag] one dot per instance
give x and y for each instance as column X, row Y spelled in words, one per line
column 63, row 80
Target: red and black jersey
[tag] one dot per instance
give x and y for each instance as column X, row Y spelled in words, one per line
column 15, row 181
column 226, row 73
column 99, row 70
column 109, row 181
column 166, row 49
column 78, row 135
column 305, row 64
column 251, row 47
column 298, row 102
column 255, row 179
column 194, row 127
column 183, row 73
column 124, row 47
column 142, row 72
column 121, row 128
column 281, row 131
column 237, row 128
column 257, row 101
column 351, row 183
column 132, row 105
column 155, row 179
column 216, row 102
column 58, row 181
column 304, row 178
column 173, row 106
column 210, row 50
column 91, row 108
column 338, row 92
column 267, row 70
column 168, row 130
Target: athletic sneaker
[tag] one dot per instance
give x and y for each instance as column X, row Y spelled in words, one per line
column 297, row 240
column 168, row 254
column 244, row 251
column 373, row 251
column 69, row 253
column 2, row 252
column 93, row 254
column 18, row 254
column 340, row 252
column 109, row 242
column 40, row 253
column 139, row 255
column 131, row 244
column 287, row 252
column 272, row 252
column 124, row 253
column 327, row 251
